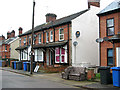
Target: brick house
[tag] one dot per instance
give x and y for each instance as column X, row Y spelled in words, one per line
column 53, row 44
column 109, row 34
column 6, row 46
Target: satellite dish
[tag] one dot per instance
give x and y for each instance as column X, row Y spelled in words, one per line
column 75, row 43
column 98, row 40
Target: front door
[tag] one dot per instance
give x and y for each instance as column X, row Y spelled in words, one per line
column 51, row 58
column 118, row 56
column 47, row 54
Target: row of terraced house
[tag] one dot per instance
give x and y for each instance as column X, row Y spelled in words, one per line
column 87, row 38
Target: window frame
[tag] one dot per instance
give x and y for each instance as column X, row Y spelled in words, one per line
column 40, row 38
column 109, row 57
column 61, row 34
column 107, row 27
column 47, row 37
column 24, row 41
column 51, row 35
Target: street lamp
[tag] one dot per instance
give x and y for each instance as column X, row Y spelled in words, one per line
column 32, row 51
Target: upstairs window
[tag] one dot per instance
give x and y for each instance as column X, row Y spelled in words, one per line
column 5, row 48
column 20, row 42
column 40, row 38
column 24, row 41
column 110, row 27
column 61, row 34
column 110, row 56
column 51, row 36
column 29, row 40
column 47, row 37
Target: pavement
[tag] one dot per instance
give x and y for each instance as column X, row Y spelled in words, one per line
column 56, row 77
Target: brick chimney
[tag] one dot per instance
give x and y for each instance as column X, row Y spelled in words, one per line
column 12, row 33
column 20, row 30
column 93, row 3
column 8, row 35
column 50, row 17
column 2, row 37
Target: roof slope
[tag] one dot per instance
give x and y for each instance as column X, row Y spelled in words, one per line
column 55, row 23
column 113, row 6
column 8, row 40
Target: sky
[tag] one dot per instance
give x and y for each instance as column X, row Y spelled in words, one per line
column 18, row 13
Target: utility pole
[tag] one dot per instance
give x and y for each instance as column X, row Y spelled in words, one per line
column 32, row 51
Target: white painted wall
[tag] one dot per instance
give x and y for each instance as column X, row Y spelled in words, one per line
column 13, row 45
column 118, row 56
column 87, row 50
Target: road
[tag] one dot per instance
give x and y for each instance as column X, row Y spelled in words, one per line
column 13, row 80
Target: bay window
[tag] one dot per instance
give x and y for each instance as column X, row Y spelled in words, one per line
column 60, row 55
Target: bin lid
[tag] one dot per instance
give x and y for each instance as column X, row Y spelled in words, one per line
column 115, row 68
column 24, row 62
column 104, row 67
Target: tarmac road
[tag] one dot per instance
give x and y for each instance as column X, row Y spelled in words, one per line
column 13, row 80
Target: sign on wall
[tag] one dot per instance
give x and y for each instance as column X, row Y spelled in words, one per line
column 77, row 34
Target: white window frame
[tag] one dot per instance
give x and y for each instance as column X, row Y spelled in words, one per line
column 40, row 39
column 29, row 40
column 47, row 37
column 38, row 52
column 24, row 55
column 61, row 34
column 60, row 56
column 51, row 36
column 24, row 41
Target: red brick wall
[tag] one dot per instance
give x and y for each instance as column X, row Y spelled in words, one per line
column 106, row 44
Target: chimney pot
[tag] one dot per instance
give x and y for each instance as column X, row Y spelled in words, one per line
column 50, row 17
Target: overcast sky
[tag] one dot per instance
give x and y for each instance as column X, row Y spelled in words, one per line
column 18, row 13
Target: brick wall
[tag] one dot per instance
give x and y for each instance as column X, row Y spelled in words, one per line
column 103, row 33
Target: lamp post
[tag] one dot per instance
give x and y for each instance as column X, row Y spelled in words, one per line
column 32, row 51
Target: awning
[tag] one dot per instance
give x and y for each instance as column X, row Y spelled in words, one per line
column 49, row 45
column 22, row 47
column 115, row 38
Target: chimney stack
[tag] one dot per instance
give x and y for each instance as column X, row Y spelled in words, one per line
column 12, row 33
column 93, row 3
column 2, row 38
column 50, row 17
column 8, row 35
column 20, row 30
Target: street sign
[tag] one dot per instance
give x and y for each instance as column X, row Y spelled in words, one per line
column 75, row 43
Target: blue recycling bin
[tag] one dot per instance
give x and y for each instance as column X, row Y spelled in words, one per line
column 25, row 66
column 0, row 63
column 116, row 76
column 15, row 66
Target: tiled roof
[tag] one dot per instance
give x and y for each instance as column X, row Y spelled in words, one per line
column 8, row 40
column 55, row 23
column 111, row 7
column 54, row 44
